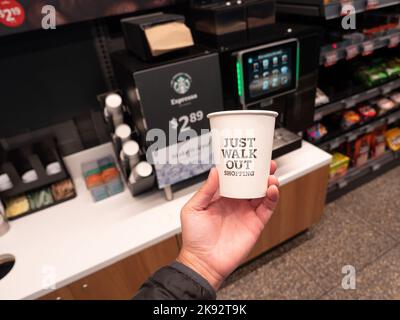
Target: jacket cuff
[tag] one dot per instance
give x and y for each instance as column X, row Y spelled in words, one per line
column 194, row 276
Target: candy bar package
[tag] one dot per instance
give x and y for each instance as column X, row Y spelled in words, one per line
column 366, row 112
column 359, row 150
column 349, row 119
column 393, row 139
column 339, row 166
column 378, row 145
column 316, row 132
column 385, row 105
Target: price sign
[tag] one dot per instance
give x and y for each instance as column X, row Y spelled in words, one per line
column 331, row 58
column 351, row 52
column 175, row 99
column 12, row 14
column 184, row 122
column 368, row 48
column 394, row 41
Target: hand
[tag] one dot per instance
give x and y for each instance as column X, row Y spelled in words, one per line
column 218, row 233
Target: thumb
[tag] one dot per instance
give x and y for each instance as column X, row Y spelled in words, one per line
column 203, row 197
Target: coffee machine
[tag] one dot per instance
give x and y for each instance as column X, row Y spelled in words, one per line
column 264, row 64
column 277, row 71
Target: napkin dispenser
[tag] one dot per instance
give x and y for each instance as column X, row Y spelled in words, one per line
column 152, row 35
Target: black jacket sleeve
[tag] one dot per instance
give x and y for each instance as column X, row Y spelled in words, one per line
column 176, row 282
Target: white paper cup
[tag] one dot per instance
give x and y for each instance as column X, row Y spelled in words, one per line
column 123, row 131
column 242, row 149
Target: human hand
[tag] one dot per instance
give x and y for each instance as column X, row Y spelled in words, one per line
column 218, row 233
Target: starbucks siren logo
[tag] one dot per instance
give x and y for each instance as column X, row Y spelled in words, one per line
column 181, row 83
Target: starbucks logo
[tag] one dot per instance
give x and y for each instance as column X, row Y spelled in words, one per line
column 181, row 83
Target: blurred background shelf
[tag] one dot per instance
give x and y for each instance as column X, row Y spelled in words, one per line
column 360, row 175
column 351, row 101
column 351, row 134
column 331, row 54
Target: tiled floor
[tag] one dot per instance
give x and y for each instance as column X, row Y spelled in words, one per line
column 361, row 229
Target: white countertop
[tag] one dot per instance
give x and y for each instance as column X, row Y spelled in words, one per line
column 66, row 242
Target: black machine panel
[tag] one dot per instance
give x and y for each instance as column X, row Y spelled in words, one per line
column 267, row 71
column 177, row 93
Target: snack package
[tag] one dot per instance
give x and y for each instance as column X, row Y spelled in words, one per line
column 17, row 206
column 320, row 98
column 392, row 68
column 359, row 150
column 393, row 139
column 366, row 112
column 385, row 105
column 316, row 132
column 349, row 119
column 372, row 76
column 339, row 165
column 378, row 145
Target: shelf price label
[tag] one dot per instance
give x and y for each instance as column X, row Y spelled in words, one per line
column 394, row 41
column 331, row 58
column 370, row 128
column 334, row 144
column 345, row 5
column 351, row 52
column 368, row 48
column 342, row 184
column 372, row 4
column 393, row 118
column 386, row 89
column 350, row 103
column 353, row 136
column 376, row 167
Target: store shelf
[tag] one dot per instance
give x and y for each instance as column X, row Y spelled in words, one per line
column 331, row 10
column 358, row 176
column 330, row 56
column 351, row 135
column 351, row 101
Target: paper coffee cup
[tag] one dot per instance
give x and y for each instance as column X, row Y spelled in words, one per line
column 242, row 149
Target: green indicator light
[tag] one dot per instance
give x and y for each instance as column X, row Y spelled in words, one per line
column 239, row 78
column 298, row 62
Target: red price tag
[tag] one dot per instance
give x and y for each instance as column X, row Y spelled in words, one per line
column 330, row 58
column 368, row 48
column 394, row 41
column 12, row 14
column 351, row 52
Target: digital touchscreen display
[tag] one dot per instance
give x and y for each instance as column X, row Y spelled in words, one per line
column 269, row 71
